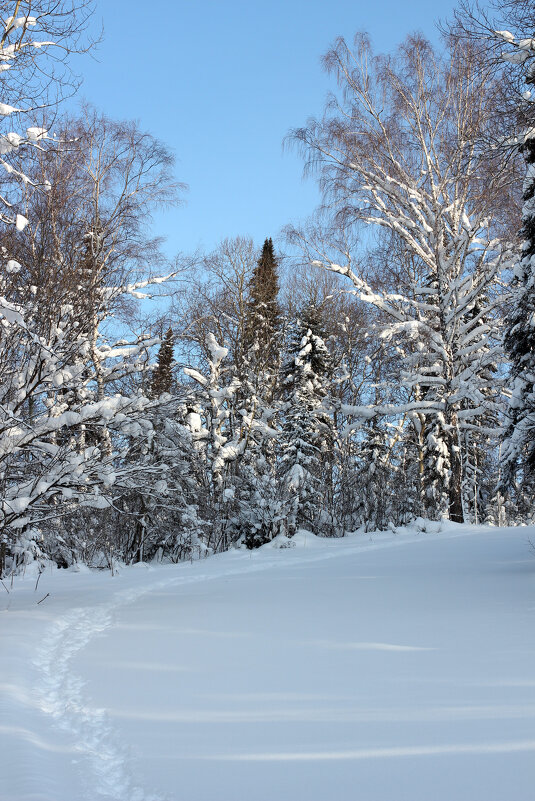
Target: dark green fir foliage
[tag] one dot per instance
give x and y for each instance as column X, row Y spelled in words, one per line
column 162, row 379
column 519, row 446
column 257, row 399
column 261, row 341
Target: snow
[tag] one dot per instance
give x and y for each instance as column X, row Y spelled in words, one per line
column 189, row 371
column 21, row 222
column 19, row 504
column 385, row 667
column 516, row 57
column 6, row 109
column 35, row 133
column 506, row 35
column 217, row 352
column 13, row 23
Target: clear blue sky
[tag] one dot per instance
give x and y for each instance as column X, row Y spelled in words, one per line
column 221, row 82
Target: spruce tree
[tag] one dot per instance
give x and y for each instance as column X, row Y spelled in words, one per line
column 258, row 518
column 519, row 445
column 374, row 477
column 261, row 343
column 308, row 430
column 162, row 378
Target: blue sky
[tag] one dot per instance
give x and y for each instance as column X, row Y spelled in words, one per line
column 221, row 83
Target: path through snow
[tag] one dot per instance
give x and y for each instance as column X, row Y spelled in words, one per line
column 340, row 670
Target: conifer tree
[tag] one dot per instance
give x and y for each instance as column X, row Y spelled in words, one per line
column 307, row 430
column 162, row 377
column 163, row 516
column 259, row 508
column 519, row 446
column 221, row 441
column 263, row 314
column 375, row 475
column 259, row 503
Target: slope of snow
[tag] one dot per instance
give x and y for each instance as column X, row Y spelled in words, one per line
column 400, row 666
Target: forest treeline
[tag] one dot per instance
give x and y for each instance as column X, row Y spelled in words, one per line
column 373, row 366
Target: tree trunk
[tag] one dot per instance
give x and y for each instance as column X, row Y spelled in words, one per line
column 455, row 493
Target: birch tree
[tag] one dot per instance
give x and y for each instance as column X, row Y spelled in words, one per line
column 396, row 151
column 60, row 375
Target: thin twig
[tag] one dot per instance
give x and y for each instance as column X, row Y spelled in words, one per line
column 4, row 586
column 42, row 599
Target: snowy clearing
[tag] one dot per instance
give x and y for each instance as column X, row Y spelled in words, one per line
column 383, row 668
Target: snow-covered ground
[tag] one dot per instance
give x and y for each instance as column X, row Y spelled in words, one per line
column 383, row 668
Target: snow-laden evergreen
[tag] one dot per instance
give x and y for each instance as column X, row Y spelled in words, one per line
column 307, row 435
column 519, row 444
